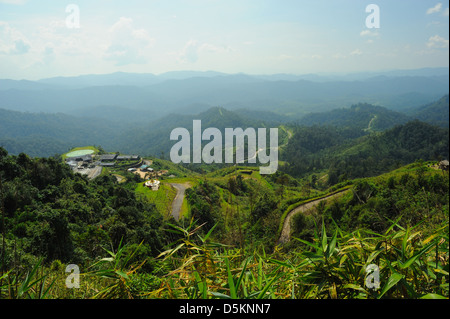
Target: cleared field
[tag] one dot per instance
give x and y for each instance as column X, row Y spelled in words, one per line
column 79, row 153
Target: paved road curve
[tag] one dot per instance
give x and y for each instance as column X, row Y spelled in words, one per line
column 286, row 232
column 178, row 200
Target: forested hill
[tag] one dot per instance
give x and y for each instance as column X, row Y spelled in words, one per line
column 435, row 113
column 345, row 155
column 45, row 134
column 363, row 116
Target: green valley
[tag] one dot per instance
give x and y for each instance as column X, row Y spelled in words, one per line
column 227, row 242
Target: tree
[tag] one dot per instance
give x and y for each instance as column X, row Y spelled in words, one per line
column 265, row 204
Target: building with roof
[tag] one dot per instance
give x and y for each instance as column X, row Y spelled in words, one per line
column 107, row 164
column 108, row 157
column 84, row 158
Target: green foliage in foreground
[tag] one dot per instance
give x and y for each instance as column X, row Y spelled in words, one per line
column 333, row 266
column 227, row 248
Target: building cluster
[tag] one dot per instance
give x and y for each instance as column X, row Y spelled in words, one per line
column 85, row 161
column 110, row 160
column 105, row 160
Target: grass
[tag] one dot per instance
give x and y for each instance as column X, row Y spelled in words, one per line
column 162, row 198
column 185, row 210
column 182, row 180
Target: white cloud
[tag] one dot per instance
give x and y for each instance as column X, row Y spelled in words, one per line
column 285, row 57
column 128, row 45
column 435, row 9
column 356, row 52
column 16, row 2
column 339, row 56
column 12, row 41
column 445, row 13
column 369, row 33
column 192, row 49
column 189, row 53
column 437, row 42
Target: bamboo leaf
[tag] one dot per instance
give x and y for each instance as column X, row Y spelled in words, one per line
column 307, row 243
column 324, row 237
column 201, row 285
column 230, row 280
column 404, row 242
column 171, row 251
column 433, row 296
column 392, row 281
column 260, row 273
column 331, row 247
column 356, row 287
column 121, row 274
column 393, row 224
column 266, row 287
column 238, row 283
column 220, row 295
column 210, row 232
column 414, row 258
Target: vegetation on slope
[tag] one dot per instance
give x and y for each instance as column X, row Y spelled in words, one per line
column 226, row 247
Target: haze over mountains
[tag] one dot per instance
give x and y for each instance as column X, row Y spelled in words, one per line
column 136, row 112
column 114, row 96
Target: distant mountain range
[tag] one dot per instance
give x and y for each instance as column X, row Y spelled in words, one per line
column 45, row 134
column 142, row 98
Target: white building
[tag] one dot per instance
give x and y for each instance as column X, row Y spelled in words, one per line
column 153, row 184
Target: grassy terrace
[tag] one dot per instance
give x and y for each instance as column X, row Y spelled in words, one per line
column 162, row 198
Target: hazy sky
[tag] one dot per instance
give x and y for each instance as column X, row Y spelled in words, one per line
column 39, row 38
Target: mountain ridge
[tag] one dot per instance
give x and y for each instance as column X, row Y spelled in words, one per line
column 152, row 136
column 288, row 95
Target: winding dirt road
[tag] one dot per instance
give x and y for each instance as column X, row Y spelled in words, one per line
column 286, row 232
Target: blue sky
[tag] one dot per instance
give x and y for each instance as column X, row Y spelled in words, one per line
column 38, row 38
